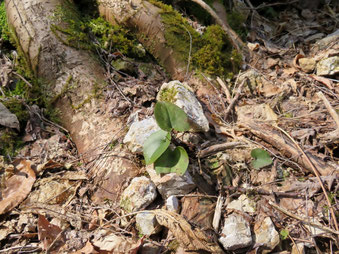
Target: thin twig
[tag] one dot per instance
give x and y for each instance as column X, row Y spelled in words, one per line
column 316, row 173
column 22, row 78
column 217, row 148
column 35, row 248
column 317, row 225
column 329, row 108
column 235, row 99
column 54, row 241
column 227, row 92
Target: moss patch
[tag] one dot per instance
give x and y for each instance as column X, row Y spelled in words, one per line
column 4, row 32
column 211, row 52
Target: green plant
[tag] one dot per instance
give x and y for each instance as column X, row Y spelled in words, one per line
column 261, row 158
column 157, row 148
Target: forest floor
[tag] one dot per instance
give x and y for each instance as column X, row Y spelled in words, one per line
column 284, row 106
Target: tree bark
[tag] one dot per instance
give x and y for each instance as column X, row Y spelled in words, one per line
column 71, row 76
column 145, row 18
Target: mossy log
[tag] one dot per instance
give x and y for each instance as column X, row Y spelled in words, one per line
column 72, row 77
column 145, row 19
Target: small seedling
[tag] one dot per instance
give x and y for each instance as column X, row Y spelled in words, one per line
column 157, row 148
column 261, row 158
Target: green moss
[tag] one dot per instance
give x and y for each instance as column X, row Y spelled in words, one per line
column 168, row 94
column 4, row 32
column 10, row 142
column 211, row 52
column 16, row 107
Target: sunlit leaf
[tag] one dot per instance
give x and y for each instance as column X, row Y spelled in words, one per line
column 172, row 161
column 155, row 145
column 261, row 158
column 169, row 116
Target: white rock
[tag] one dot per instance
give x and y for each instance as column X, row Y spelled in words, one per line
column 150, row 248
column 265, row 234
column 139, row 132
column 328, row 66
column 237, row 233
column 243, row 203
column 138, row 195
column 147, row 224
column 183, row 96
column 172, row 183
column 172, row 204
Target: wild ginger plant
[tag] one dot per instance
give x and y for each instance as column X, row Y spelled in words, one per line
column 157, row 147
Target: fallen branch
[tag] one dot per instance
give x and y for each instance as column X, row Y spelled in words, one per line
column 288, row 149
column 218, row 148
column 304, row 220
column 235, row 39
column 265, row 192
column 329, row 108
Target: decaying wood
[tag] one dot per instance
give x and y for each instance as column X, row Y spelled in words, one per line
column 288, row 149
column 71, row 76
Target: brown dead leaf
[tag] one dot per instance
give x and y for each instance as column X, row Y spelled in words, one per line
column 115, row 244
column 18, row 187
column 87, row 249
column 327, row 82
column 191, row 239
column 48, row 234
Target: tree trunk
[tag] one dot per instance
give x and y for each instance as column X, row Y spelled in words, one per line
column 145, row 18
column 72, row 77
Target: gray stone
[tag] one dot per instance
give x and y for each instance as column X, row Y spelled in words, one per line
column 8, row 119
column 172, row 183
column 265, row 234
column 138, row 195
column 147, row 224
column 236, row 233
column 183, row 96
column 172, row 204
column 139, row 132
column 243, row 203
column 328, row 66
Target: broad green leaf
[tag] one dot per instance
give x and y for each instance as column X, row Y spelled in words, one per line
column 169, row 116
column 261, row 158
column 172, row 161
column 284, row 234
column 155, row 145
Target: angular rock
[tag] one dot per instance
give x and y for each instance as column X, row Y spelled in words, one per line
column 139, row 132
column 328, row 66
column 8, row 119
column 266, row 235
column 236, row 233
column 183, row 96
column 307, row 64
column 171, row 184
column 243, row 203
column 138, row 195
column 172, row 204
column 147, row 224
